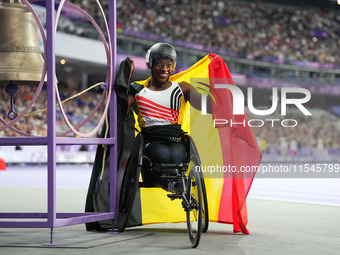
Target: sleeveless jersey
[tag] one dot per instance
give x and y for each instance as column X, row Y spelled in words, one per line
column 155, row 108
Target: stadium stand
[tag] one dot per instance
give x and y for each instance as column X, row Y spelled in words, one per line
column 268, row 32
column 248, row 29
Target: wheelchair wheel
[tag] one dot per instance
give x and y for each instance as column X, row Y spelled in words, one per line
column 194, row 210
column 130, row 183
column 194, row 162
column 205, row 212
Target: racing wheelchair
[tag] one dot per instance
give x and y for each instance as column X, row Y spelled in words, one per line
column 183, row 181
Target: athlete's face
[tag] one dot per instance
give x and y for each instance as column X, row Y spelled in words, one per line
column 162, row 69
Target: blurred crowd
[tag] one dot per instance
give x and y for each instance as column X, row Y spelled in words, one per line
column 251, row 29
column 36, row 124
column 316, row 136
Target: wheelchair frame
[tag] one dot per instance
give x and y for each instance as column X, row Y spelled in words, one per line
column 189, row 182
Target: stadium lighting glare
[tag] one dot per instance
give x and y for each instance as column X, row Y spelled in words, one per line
column 338, row 1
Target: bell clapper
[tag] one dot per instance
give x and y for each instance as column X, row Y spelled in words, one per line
column 12, row 89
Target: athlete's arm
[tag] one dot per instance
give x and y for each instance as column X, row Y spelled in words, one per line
column 131, row 98
column 191, row 95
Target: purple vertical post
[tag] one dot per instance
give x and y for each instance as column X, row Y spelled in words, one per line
column 113, row 110
column 51, row 115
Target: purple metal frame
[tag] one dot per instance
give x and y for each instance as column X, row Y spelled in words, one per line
column 55, row 219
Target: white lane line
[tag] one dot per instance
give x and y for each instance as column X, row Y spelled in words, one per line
column 293, row 201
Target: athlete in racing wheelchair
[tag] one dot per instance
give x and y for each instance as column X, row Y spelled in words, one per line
column 165, row 155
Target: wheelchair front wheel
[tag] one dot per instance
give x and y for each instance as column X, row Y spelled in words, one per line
column 193, row 196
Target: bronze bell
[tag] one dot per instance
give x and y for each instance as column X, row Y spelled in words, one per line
column 21, row 61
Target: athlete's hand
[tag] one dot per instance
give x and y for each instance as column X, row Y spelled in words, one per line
column 132, row 66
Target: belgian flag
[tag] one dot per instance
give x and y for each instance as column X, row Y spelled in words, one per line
column 229, row 146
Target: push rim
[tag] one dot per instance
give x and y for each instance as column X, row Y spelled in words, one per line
column 194, row 210
column 205, row 211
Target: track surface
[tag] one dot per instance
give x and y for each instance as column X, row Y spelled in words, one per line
column 286, row 216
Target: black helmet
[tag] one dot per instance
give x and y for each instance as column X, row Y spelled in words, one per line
column 163, row 50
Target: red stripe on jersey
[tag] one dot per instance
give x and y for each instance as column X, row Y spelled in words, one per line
column 154, row 104
column 141, row 104
column 147, row 110
column 159, row 117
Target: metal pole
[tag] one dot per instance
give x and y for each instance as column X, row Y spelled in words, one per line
column 113, row 111
column 51, row 116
